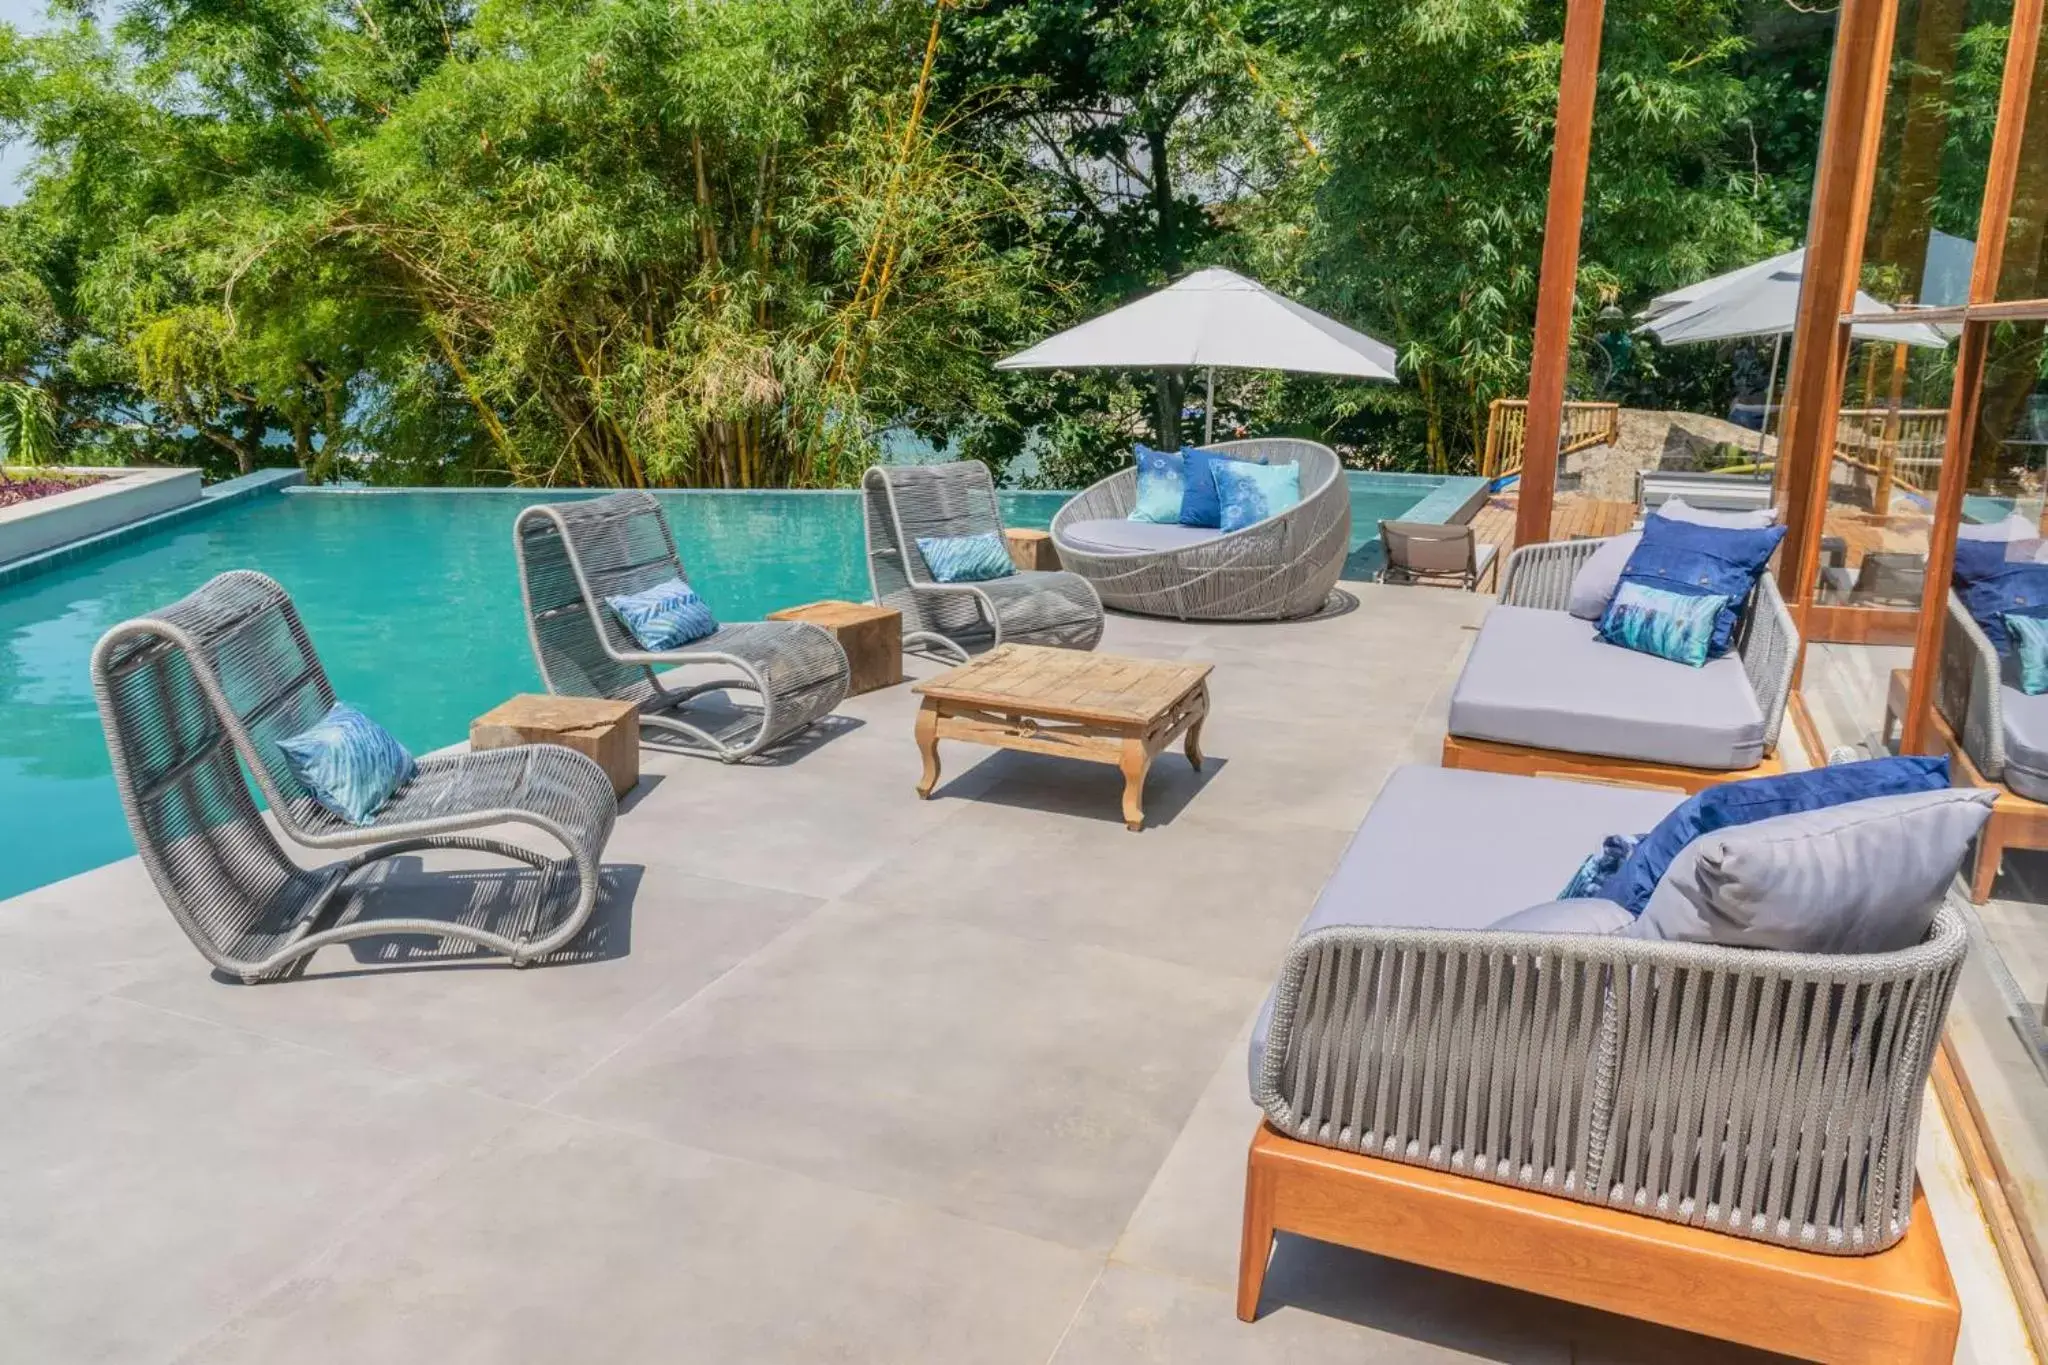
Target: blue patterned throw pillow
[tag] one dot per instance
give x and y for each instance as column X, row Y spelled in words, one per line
column 348, row 763
column 966, row 559
column 1670, row 625
column 1162, row 484
column 1249, row 493
column 1599, row 865
column 665, row 616
column 1200, row 505
column 2030, row 642
column 1698, row 561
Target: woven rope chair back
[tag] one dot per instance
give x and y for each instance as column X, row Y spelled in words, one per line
column 573, row 555
column 187, row 697
column 905, row 503
column 1422, row 548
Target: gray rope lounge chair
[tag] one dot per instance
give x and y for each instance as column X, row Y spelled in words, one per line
column 2000, row 736
column 193, row 693
column 573, row 555
column 906, row 503
column 1281, row 568
column 1771, row 1095
column 1539, row 694
column 1418, row 551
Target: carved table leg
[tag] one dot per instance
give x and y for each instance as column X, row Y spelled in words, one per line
column 928, row 745
column 1135, row 763
column 1193, row 743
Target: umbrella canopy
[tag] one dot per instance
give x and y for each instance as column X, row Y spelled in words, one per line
column 1763, row 300
column 1212, row 318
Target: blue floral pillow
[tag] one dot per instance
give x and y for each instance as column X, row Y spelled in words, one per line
column 348, row 763
column 1162, row 484
column 1680, row 557
column 1249, row 493
column 2030, row 643
column 1199, row 504
column 665, row 616
column 966, row 559
column 1599, row 865
column 1671, row 625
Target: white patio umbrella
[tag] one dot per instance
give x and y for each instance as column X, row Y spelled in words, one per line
column 1212, row 318
column 1763, row 300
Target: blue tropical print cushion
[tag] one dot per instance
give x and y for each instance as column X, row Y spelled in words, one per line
column 1682, row 557
column 665, row 616
column 966, row 559
column 1601, row 864
column 1162, row 484
column 2030, row 643
column 1671, row 625
column 1761, row 798
column 348, row 763
column 1996, row 580
column 1249, row 493
column 1199, row 504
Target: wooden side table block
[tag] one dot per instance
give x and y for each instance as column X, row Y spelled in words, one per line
column 871, row 636
column 596, row 727
column 1032, row 549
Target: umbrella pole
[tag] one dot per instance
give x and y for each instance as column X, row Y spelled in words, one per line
column 1770, row 392
column 1167, row 411
column 1209, row 409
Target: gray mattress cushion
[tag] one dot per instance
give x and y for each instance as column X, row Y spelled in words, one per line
column 2026, row 742
column 1120, row 536
column 1542, row 678
column 1443, row 848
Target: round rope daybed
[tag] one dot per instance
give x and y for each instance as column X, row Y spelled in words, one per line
column 1282, row 567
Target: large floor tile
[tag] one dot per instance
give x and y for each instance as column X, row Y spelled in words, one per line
column 29, row 1002
column 476, row 1021
column 1028, row 1084
column 96, row 930
column 1029, row 859
column 568, row 1242
column 159, row 1172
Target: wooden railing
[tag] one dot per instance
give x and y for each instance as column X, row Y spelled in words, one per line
column 1507, row 427
column 1893, row 446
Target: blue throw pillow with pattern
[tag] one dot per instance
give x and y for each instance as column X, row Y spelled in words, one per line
column 1671, row 625
column 1199, row 504
column 1599, row 865
column 665, row 616
column 1162, row 484
column 966, row 559
column 2030, row 643
column 1680, row 557
column 348, row 763
column 1249, row 493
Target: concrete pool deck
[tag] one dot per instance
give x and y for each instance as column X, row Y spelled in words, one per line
column 849, row 1077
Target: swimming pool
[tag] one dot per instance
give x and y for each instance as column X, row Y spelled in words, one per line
column 412, row 599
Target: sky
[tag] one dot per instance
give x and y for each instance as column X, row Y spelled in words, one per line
column 26, row 15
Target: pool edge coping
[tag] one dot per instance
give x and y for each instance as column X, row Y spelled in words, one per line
column 210, row 499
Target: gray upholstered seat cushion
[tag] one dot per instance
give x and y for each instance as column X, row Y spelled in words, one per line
column 2026, row 741
column 1861, row 877
column 1443, row 848
column 1542, row 678
column 1119, row 536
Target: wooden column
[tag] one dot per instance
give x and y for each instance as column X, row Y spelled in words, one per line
column 1557, row 288
column 1917, row 726
column 1858, row 76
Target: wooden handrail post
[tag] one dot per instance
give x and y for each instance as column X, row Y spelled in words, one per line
column 1557, row 288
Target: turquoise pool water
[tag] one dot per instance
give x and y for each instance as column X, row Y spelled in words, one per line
column 413, row 602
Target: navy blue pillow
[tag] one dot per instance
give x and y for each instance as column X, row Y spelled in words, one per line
column 1760, row 798
column 1992, row 586
column 1199, row 504
column 1704, row 561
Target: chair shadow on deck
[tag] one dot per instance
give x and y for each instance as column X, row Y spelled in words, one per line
column 509, row 900
column 718, row 713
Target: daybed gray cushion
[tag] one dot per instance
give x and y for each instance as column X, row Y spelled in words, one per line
column 1542, row 678
column 1865, row 877
column 2026, row 742
column 1580, row 915
column 1594, row 584
column 1443, row 848
column 1119, row 536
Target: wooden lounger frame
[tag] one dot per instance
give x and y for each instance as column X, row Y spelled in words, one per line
column 1491, row 756
column 1898, row 1306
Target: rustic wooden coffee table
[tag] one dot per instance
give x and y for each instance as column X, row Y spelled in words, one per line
column 1101, row 708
